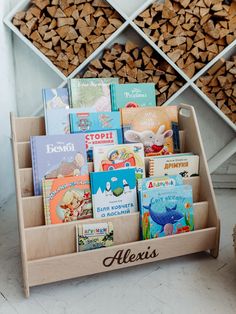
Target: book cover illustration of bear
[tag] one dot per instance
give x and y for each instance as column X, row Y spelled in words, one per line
column 91, row 94
column 57, row 156
column 94, row 121
column 133, row 95
column 67, row 199
column 157, row 128
column 94, row 236
column 120, row 156
column 166, row 211
column 113, row 192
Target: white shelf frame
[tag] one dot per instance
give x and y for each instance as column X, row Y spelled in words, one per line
column 220, row 156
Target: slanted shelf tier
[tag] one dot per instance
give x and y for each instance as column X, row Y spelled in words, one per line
column 42, row 257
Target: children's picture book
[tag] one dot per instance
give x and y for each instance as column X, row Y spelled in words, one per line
column 91, row 94
column 57, row 121
column 94, row 121
column 157, row 128
column 159, row 182
column 54, row 98
column 187, row 165
column 133, row 95
column 95, row 139
column 166, row 211
column 113, row 192
column 67, row 199
column 121, row 156
column 56, row 156
column 94, row 236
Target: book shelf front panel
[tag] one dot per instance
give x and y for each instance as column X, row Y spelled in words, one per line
column 74, row 265
column 60, row 239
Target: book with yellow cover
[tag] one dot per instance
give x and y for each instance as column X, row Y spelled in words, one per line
column 155, row 127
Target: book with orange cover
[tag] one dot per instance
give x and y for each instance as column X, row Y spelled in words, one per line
column 155, row 127
column 67, row 199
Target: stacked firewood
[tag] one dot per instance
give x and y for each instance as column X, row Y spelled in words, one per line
column 219, row 84
column 135, row 65
column 191, row 33
column 67, row 31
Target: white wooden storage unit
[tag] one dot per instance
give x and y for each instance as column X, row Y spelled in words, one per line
column 49, row 251
column 129, row 11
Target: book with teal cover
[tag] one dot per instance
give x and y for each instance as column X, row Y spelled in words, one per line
column 113, row 192
column 91, row 94
column 133, row 95
column 166, row 211
column 94, row 121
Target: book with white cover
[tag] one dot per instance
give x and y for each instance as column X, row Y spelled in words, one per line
column 187, row 165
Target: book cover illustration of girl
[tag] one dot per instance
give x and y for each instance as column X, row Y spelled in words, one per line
column 75, row 205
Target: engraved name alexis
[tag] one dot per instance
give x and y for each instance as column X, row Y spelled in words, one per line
column 126, row 256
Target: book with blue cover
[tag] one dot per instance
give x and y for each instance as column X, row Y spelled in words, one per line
column 166, row 211
column 113, row 193
column 56, row 156
column 57, row 120
column 94, row 121
column 54, row 98
column 91, row 94
column 133, row 95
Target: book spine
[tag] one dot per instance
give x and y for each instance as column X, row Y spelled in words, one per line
column 113, row 97
column 34, row 165
column 45, row 202
column 70, row 93
column 151, row 167
column 45, row 109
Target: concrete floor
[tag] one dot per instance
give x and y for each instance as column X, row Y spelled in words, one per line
column 189, row 284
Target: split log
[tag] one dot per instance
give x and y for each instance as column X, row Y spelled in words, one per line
column 54, row 26
column 219, row 84
column 179, row 26
column 133, row 65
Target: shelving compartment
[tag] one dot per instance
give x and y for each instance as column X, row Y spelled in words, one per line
column 49, row 251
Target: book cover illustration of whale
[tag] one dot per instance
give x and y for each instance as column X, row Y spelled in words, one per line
column 94, row 236
column 156, row 127
column 133, row 95
column 57, row 156
column 67, row 199
column 166, row 211
column 186, row 165
column 107, row 158
column 113, row 192
column 91, row 94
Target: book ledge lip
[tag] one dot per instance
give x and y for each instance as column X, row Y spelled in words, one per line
column 125, row 245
